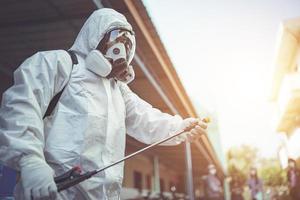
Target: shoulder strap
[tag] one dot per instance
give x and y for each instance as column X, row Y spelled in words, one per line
column 56, row 98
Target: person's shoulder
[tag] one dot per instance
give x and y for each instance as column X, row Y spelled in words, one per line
column 53, row 53
column 55, row 56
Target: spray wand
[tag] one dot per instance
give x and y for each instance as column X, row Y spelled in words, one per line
column 74, row 176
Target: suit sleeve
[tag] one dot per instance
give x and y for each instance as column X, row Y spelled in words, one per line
column 36, row 81
column 145, row 123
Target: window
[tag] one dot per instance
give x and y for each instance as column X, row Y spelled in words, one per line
column 137, row 178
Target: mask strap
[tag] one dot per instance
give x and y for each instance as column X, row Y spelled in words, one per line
column 102, row 46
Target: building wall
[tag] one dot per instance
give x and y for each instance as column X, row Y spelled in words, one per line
column 144, row 165
column 170, row 177
column 286, row 90
column 140, row 164
column 8, row 179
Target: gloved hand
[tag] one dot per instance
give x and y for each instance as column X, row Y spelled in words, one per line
column 37, row 179
column 194, row 133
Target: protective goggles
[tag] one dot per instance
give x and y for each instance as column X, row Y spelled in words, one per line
column 119, row 36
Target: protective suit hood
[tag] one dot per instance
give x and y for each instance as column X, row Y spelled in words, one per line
column 95, row 27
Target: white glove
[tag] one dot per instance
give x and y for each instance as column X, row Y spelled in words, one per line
column 37, row 179
column 196, row 132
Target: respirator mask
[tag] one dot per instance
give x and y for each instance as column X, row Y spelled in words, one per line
column 110, row 59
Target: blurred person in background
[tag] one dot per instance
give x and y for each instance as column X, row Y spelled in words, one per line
column 293, row 175
column 255, row 184
column 236, row 189
column 213, row 185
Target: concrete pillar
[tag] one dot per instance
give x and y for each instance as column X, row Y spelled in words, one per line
column 189, row 171
column 156, row 183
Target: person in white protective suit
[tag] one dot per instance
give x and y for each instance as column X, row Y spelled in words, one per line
column 88, row 125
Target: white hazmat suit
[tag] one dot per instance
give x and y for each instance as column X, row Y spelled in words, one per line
column 88, row 125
